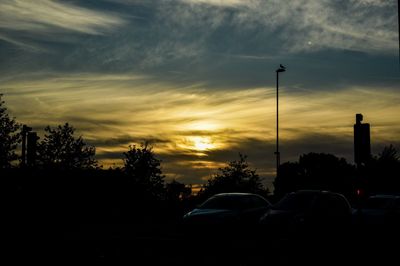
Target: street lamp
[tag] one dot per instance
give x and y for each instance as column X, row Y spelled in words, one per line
column 278, row 155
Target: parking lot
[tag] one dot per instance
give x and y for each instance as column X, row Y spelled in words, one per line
column 163, row 245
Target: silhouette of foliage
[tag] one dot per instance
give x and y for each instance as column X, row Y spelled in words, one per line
column 382, row 172
column 61, row 150
column 315, row 171
column 145, row 170
column 389, row 154
column 178, row 196
column 9, row 137
column 177, row 191
column 236, row 177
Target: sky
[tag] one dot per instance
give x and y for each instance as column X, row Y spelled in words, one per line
column 196, row 78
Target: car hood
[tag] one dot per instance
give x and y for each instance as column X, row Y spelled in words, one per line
column 277, row 216
column 211, row 212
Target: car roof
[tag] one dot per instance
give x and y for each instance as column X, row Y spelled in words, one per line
column 384, row 196
column 235, row 194
column 317, row 192
column 313, row 191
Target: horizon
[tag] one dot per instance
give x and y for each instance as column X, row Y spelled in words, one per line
column 196, row 78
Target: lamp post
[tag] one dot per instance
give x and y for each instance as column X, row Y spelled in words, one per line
column 277, row 153
column 25, row 130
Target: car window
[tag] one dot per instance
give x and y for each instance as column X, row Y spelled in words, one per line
column 259, row 202
column 297, row 202
column 321, row 204
column 332, row 205
column 228, row 202
column 342, row 205
column 245, row 202
column 396, row 204
column 377, row 203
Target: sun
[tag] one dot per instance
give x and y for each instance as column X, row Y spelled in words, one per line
column 202, row 143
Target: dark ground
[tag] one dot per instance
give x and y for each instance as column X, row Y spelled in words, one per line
column 70, row 224
column 167, row 244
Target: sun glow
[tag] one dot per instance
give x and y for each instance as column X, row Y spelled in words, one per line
column 202, row 126
column 202, row 143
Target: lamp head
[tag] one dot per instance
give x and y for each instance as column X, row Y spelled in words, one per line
column 281, row 68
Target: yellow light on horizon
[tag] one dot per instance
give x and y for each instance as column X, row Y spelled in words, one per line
column 197, row 145
column 202, row 126
column 202, row 143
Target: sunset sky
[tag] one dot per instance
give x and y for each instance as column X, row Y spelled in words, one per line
column 196, row 78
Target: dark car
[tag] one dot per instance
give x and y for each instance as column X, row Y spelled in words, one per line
column 228, row 209
column 380, row 210
column 308, row 211
column 226, row 217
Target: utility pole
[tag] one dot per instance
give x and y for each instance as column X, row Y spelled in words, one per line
column 277, row 153
column 24, row 132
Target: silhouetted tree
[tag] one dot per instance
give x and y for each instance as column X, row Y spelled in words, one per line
column 145, row 171
column 382, row 172
column 59, row 149
column 290, row 179
column 177, row 191
column 178, row 197
column 315, row 171
column 9, row 137
column 236, row 177
column 389, row 154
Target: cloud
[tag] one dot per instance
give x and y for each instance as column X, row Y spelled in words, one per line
column 229, row 3
column 197, row 77
column 194, row 130
column 220, row 44
column 23, row 45
column 233, row 44
column 41, row 19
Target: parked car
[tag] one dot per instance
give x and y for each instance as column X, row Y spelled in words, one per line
column 228, row 209
column 379, row 210
column 308, row 211
column 225, row 217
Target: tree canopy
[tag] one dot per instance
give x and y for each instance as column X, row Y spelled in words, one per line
column 315, row 171
column 59, row 149
column 382, row 172
column 237, row 176
column 10, row 137
column 177, row 191
column 145, row 170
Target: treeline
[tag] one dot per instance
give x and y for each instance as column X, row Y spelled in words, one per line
column 67, row 184
column 65, row 181
column 380, row 174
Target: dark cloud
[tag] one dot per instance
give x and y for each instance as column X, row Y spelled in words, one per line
column 111, row 155
column 225, row 46
column 260, row 155
column 341, row 146
column 193, row 169
column 127, row 140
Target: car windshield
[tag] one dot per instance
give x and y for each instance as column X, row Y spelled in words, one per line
column 397, row 204
column 377, row 203
column 295, row 202
column 228, row 202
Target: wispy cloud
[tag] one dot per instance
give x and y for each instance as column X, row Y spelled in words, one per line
column 216, row 42
column 21, row 44
column 41, row 18
column 304, row 25
column 219, row 2
column 196, row 129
